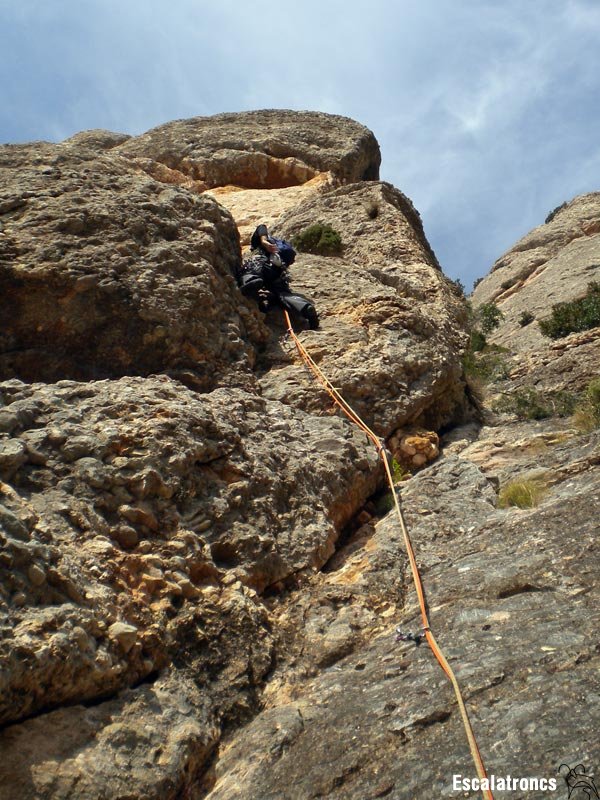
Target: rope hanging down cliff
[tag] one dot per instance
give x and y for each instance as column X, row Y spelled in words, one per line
column 353, row 417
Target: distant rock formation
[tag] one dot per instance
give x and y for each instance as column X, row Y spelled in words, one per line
column 553, row 263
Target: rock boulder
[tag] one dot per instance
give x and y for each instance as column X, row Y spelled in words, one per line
column 106, row 272
column 260, row 149
column 392, row 325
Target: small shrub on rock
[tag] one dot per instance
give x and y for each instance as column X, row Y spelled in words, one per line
column 384, row 504
column 488, row 317
column 458, row 286
column 486, row 366
column 529, row 403
column 399, row 474
column 554, row 212
column 587, row 413
column 526, row 318
column 478, row 342
column 372, row 209
column 521, row 493
column 484, row 362
column 320, row 239
column 577, row 315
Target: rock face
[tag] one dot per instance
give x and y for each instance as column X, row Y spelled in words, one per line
column 198, row 595
column 106, row 272
column 394, row 323
column 515, row 614
column 553, row 263
column 129, row 498
column 510, row 593
column 151, row 532
column 249, row 205
column 261, row 149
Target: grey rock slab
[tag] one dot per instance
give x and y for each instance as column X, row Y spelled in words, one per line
column 503, row 590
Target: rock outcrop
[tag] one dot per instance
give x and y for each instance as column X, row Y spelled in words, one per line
column 394, row 324
column 168, row 471
column 512, row 606
column 199, row 589
column 106, row 272
column 130, row 498
column 260, row 149
column 355, row 714
column 553, row 263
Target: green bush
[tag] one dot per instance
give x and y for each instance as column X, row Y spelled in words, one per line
column 578, row 315
column 399, row 474
column 477, row 342
column 587, row 411
column 372, row 209
column 320, row 239
column 529, row 403
column 526, row 318
column 488, row 317
column 521, row 493
column 486, row 363
column 384, row 504
column 458, row 286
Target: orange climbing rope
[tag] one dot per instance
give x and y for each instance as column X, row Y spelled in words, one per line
column 353, row 416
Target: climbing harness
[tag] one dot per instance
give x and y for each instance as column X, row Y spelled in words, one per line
column 427, row 632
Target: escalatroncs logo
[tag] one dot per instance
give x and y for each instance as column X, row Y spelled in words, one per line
column 580, row 785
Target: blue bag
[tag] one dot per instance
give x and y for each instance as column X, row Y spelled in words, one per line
column 285, row 250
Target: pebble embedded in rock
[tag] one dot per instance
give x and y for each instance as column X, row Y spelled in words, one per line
column 126, row 635
column 36, row 575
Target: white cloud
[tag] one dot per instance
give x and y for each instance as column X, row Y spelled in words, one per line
column 486, row 111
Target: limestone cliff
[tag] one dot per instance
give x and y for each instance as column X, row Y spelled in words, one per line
column 198, row 596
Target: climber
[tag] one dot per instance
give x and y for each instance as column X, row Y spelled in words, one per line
column 264, row 277
column 261, row 241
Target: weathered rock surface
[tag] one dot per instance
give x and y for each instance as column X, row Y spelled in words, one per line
column 511, row 598
column 105, row 272
column 128, row 498
column 568, row 364
column 196, row 597
column 267, row 149
column 248, row 206
column 392, row 324
column 511, row 595
column 152, row 536
column 97, row 139
column 553, row 263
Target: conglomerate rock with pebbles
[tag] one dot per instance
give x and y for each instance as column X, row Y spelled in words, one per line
column 197, row 597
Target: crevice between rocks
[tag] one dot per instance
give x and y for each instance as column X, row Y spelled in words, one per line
column 522, row 588
column 91, row 702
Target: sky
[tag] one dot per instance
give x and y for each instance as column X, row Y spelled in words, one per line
column 487, row 112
